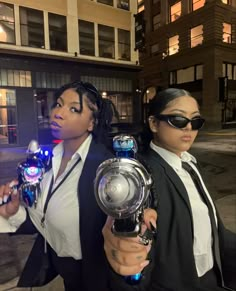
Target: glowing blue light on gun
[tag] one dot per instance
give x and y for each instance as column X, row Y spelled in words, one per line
column 136, row 277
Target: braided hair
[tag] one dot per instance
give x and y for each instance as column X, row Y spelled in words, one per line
column 102, row 109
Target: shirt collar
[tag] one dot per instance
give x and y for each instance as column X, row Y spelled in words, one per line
column 172, row 159
column 81, row 152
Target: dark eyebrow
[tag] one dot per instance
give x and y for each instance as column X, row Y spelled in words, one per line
column 61, row 99
column 72, row 103
column 184, row 112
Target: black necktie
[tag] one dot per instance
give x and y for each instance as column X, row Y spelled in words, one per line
column 198, row 184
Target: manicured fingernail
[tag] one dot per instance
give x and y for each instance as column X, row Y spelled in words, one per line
column 5, row 197
column 153, row 224
column 144, row 264
column 14, row 190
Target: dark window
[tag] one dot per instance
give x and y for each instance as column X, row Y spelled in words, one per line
column 106, row 41
column 31, row 27
column 57, row 32
column 123, row 4
column 156, row 21
column 124, row 44
column 86, row 38
column 7, row 23
column 107, row 2
column 51, row 80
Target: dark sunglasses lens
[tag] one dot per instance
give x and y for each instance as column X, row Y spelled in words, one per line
column 178, row 121
column 197, row 123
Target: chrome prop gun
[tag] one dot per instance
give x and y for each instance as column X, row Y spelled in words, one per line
column 122, row 188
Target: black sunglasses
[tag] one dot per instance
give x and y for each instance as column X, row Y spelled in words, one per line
column 181, row 121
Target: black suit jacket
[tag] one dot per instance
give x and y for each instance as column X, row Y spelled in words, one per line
column 92, row 220
column 172, row 264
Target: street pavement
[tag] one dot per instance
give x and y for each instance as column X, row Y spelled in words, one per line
column 216, row 154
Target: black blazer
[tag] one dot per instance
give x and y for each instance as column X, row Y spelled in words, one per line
column 92, row 220
column 172, row 264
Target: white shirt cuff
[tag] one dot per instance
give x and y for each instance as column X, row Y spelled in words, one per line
column 12, row 223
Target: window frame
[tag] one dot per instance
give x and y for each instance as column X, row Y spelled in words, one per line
column 171, row 13
column 88, row 37
column 173, row 45
column 36, row 25
column 11, row 22
column 196, row 37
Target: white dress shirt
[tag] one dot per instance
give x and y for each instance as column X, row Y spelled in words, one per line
column 202, row 244
column 61, row 227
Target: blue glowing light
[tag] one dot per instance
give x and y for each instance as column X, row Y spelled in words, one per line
column 136, row 277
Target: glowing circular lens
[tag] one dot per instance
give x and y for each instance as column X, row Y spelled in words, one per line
column 32, row 174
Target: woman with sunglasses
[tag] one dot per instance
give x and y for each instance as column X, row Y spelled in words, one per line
column 185, row 255
column 67, row 219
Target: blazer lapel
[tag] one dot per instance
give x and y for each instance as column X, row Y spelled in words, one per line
column 176, row 181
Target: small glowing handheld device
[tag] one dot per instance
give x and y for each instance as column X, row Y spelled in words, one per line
column 122, row 188
column 31, row 171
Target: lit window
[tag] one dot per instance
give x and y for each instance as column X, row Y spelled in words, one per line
column 140, row 5
column 156, row 21
column 8, row 128
column 175, row 11
column 196, row 35
column 198, row 4
column 185, row 75
column 227, row 36
column 199, row 72
column 173, row 45
column 227, row 2
column 17, row 78
column 7, row 23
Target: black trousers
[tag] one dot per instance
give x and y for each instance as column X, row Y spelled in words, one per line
column 69, row 269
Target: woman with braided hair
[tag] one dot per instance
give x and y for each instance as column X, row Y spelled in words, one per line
column 67, row 219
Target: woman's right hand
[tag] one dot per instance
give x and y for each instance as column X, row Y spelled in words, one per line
column 126, row 255
column 10, row 208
